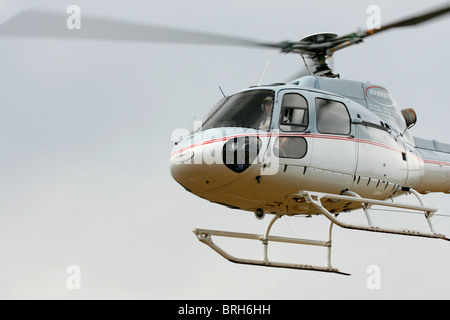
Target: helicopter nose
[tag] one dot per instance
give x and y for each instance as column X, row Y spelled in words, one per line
column 192, row 176
column 212, row 163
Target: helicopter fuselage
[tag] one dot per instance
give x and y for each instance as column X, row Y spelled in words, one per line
column 321, row 134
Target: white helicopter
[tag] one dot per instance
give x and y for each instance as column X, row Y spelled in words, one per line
column 267, row 148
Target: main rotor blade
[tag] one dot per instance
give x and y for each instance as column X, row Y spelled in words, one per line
column 43, row 24
column 415, row 20
column 356, row 37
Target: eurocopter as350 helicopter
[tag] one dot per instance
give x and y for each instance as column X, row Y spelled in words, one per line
column 267, row 148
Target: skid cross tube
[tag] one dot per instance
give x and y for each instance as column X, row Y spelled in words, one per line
column 314, row 200
column 205, row 236
column 428, row 215
column 365, row 206
column 265, row 241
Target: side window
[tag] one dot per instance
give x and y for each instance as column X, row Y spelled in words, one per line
column 332, row 117
column 290, row 147
column 294, row 113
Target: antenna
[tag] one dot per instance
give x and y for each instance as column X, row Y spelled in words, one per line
column 222, row 92
column 264, row 72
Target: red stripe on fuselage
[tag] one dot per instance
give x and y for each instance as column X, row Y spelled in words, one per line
column 304, row 135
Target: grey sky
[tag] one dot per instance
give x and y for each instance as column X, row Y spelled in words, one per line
column 85, row 133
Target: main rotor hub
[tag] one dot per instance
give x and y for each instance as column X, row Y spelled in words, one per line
column 319, row 37
column 315, row 47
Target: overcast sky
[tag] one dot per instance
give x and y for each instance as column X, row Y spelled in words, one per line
column 85, row 140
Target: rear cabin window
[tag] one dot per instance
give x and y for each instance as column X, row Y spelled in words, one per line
column 294, row 113
column 332, row 117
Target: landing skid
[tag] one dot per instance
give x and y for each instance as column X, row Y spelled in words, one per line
column 205, row 236
column 315, row 201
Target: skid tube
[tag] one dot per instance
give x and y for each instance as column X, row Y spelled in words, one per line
column 205, row 236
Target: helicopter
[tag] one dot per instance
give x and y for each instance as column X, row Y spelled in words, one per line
column 267, row 149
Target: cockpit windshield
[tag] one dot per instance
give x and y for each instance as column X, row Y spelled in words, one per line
column 249, row 109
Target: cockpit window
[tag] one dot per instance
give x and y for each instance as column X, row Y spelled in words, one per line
column 249, row 109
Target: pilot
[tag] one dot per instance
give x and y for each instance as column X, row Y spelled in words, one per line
column 267, row 107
